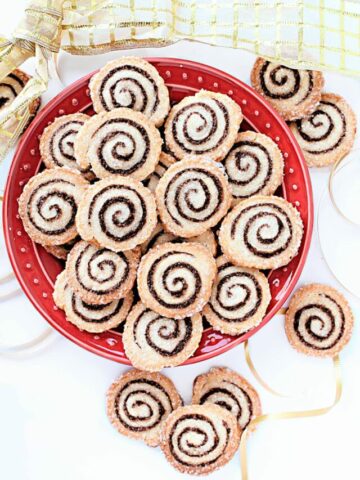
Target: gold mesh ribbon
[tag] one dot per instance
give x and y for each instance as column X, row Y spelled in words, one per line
column 320, row 34
column 288, row 415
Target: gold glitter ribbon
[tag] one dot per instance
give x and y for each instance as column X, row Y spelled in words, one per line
column 87, row 27
column 287, row 416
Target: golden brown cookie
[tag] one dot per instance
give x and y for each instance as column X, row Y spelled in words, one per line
column 293, row 93
column 239, row 298
column 118, row 213
column 319, row 320
column 192, row 196
column 261, row 232
column 61, row 251
column 176, row 280
column 226, row 388
column 139, row 402
column 160, row 236
column 204, row 125
column 254, row 166
column 121, row 142
column 100, row 275
column 57, row 142
column 86, row 316
column 131, row 82
column 153, row 342
column 48, row 205
column 328, row 134
column 199, row 439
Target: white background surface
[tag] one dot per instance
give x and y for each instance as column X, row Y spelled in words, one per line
column 52, row 404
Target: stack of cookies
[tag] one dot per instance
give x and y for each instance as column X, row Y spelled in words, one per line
column 160, row 229
column 323, row 123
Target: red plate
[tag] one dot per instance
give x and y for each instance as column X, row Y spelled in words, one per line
column 36, row 270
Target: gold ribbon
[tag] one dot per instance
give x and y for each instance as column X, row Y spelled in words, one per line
column 289, row 415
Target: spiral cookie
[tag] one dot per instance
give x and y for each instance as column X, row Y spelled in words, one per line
column 192, row 196
column 327, row 135
column 261, row 232
column 175, row 280
column 139, row 402
column 198, row 439
column 153, row 342
column 10, row 87
column 119, row 213
column 239, row 299
column 165, row 162
column 226, row 388
column 160, row 236
column 134, row 83
column 57, row 141
column 120, row 142
column 293, row 93
column 254, row 165
column 319, row 321
column 87, row 316
column 99, row 275
column 48, row 205
column 203, row 125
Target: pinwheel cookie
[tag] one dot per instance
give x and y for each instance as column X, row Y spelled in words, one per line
column 131, row 82
column 139, row 402
column 293, row 93
column 319, row 321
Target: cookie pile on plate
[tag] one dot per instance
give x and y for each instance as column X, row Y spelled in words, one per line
column 160, row 229
column 323, row 123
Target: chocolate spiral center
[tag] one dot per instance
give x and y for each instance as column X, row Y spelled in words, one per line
column 52, row 207
column 282, row 83
column 131, row 87
column 10, row 87
column 142, row 404
column 194, row 195
column 62, row 143
column 120, row 211
column 166, row 336
column 266, row 229
column 237, row 295
column 201, row 126
column 249, row 167
column 195, row 440
column 323, row 130
column 101, row 271
column 320, row 325
column 173, row 281
column 120, row 145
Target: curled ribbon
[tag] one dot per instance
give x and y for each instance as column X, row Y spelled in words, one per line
column 289, row 415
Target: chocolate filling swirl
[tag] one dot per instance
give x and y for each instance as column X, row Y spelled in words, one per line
column 195, row 440
column 230, row 396
column 249, row 167
column 95, row 313
column 320, row 325
column 101, row 271
column 237, row 295
column 62, row 143
column 282, row 83
column 166, row 336
column 119, row 210
column 131, row 87
column 201, row 126
column 193, row 195
column 121, row 146
column 266, row 229
column 142, row 404
column 323, row 130
column 52, row 207
column 10, row 87
column 173, row 281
